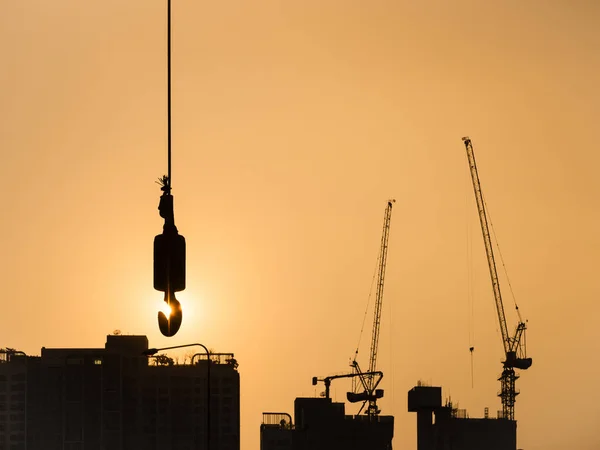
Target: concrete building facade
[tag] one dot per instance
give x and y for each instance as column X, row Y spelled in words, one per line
column 115, row 398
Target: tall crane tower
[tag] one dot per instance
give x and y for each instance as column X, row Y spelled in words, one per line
column 515, row 349
column 369, row 380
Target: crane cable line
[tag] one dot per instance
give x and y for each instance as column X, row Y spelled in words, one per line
column 470, row 283
column 354, row 380
column 501, row 258
column 391, row 354
column 470, row 278
column 367, row 308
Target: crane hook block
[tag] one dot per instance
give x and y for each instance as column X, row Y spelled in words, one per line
column 169, row 266
column 169, row 262
column 169, row 251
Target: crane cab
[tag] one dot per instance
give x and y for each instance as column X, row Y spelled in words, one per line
column 517, row 363
column 364, row 396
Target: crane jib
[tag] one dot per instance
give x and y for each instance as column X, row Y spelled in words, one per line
column 514, row 348
column 488, row 246
column 370, row 379
column 385, row 235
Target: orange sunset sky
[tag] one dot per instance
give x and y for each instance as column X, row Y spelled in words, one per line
column 293, row 123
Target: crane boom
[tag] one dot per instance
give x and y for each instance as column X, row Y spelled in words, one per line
column 385, row 236
column 514, row 347
column 368, row 380
column 488, row 244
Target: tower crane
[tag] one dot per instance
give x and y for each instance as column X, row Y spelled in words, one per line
column 369, row 380
column 515, row 349
column 327, row 380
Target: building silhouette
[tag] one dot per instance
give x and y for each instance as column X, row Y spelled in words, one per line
column 113, row 398
column 322, row 424
column 13, row 399
column 453, row 429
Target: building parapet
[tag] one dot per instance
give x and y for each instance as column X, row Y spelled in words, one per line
column 7, row 354
column 277, row 420
column 216, row 358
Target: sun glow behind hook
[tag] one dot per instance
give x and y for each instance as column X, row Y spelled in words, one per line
column 166, row 309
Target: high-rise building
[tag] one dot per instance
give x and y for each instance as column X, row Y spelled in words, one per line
column 14, row 367
column 114, row 398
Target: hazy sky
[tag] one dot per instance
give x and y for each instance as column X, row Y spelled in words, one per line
column 293, row 123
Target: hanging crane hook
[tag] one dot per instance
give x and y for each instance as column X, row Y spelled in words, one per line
column 169, row 263
column 169, row 247
column 169, row 326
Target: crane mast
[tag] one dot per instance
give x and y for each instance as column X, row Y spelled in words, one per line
column 368, row 381
column 514, row 347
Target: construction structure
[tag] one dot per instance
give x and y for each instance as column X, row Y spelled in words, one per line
column 322, row 424
column 14, row 371
column 366, row 391
column 116, row 398
column 515, row 350
column 453, row 428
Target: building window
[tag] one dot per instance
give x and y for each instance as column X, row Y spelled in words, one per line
column 98, row 362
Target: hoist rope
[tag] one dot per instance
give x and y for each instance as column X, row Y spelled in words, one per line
column 502, row 259
column 470, row 279
column 470, row 276
column 391, row 356
column 169, row 93
column 367, row 308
